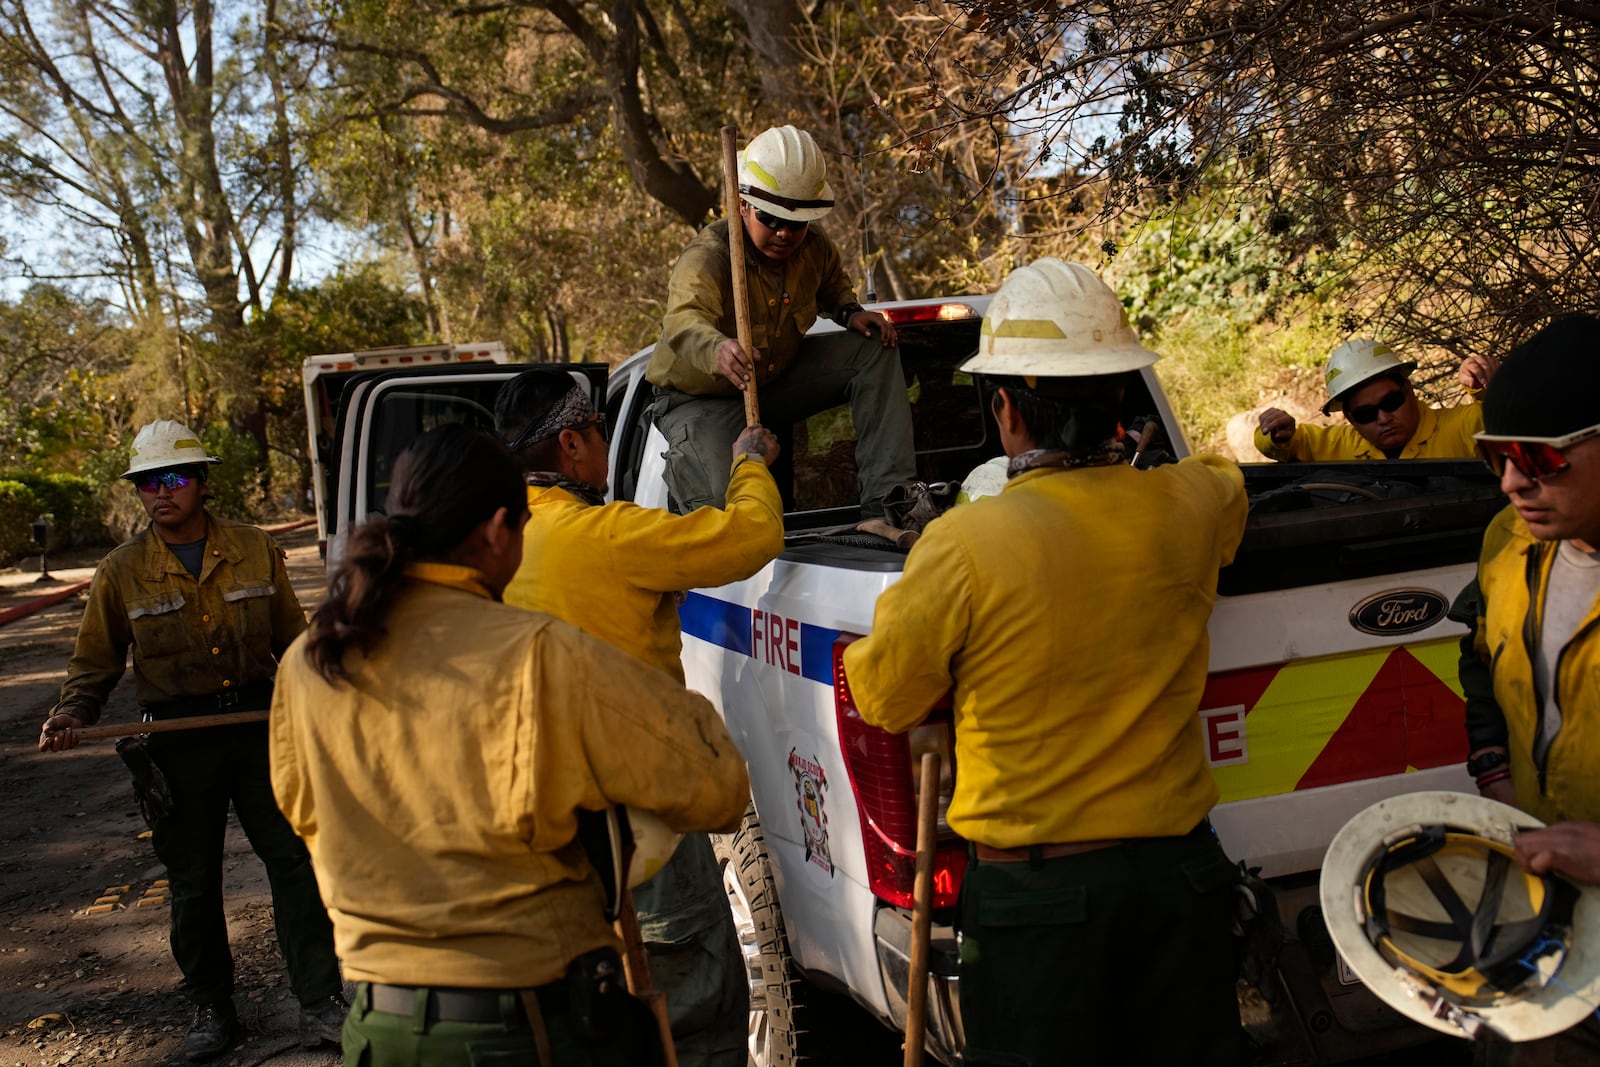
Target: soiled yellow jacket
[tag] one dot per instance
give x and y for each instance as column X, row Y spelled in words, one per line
column 614, row 571
column 1442, row 433
column 1069, row 612
column 438, row 791
column 189, row 637
column 1513, row 574
column 784, row 303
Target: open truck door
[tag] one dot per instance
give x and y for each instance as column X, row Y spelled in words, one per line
column 384, row 411
column 324, row 379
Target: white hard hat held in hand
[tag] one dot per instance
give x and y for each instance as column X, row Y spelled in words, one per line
column 1425, row 901
column 654, row 842
column 165, row 443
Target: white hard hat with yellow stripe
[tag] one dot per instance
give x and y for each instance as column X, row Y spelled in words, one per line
column 1053, row 319
column 1356, row 362
column 165, row 443
column 783, row 172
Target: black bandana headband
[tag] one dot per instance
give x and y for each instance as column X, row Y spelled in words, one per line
column 573, row 411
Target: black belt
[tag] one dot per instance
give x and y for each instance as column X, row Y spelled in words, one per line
column 254, row 697
column 464, row 1005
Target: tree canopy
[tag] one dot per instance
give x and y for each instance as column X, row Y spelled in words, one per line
column 1448, row 151
column 202, row 192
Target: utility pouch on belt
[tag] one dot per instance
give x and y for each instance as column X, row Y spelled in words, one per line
column 596, row 996
column 150, row 786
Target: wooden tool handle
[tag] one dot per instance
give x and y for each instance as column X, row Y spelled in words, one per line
column 1147, row 437
column 167, row 726
column 636, row 965
column 741, row 295
column 922, row 910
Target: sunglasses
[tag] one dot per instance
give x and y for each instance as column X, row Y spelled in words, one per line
column 1534, row 460
column 777, row 225
column 1366, row 413
column 598, row 421
column 152, row 481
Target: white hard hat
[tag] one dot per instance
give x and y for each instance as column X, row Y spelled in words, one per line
column 783, row 172
column 1056, row 320
column 1356, row 362
column 654, row 842
column 1425, row 901
column 986, row 479
column 165, row 443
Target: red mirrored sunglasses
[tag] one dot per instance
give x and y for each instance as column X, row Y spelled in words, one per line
column 1535, row 460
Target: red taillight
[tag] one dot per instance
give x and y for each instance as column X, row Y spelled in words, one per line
column 879, row 766
column 908, row 316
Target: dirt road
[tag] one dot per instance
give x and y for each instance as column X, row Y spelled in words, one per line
column 81, row 983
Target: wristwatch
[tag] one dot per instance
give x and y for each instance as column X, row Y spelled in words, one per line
column 1479, row 766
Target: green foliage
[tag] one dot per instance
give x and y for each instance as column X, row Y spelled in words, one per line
column 61, row 358
column 1244, row 264
column 235, row 483
column 18, row 508
column 1214, row 366
column 356, row 307
column 73, row 502
column 120, row 508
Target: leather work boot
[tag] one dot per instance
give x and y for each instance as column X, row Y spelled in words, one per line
column 322, row 1020
column 212, row 1031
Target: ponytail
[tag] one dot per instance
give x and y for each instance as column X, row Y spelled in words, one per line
column 444, row 485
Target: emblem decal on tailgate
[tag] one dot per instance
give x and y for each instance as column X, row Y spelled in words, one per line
column 1399, row 611
column 810, row 795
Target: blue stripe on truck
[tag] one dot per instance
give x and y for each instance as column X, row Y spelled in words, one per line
column 816, row 652
column 728, row 626
column 717, row 621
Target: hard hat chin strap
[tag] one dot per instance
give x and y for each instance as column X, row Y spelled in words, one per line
column 1496, row 959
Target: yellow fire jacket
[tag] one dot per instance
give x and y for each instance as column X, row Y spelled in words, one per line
column 1442, row 433
column 784, row 303
column 438, row 791
column 189, row 638
column 1513, row 573
column 1069, row 613
column 615, row 571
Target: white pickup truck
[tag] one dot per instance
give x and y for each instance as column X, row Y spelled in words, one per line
column 1332, row 685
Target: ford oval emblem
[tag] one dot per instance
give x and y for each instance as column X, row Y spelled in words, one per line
column 1399, row 611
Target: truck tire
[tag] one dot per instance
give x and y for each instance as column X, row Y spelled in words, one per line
column 779, row 997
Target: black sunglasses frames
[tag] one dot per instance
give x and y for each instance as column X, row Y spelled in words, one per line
column 777, row 225
column 1390, row 402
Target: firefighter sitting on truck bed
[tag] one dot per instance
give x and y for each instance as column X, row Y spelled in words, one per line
column 1385, row 420
column 1529, row 664
column 207, row 608
column 435, row 747
column 616, row 571
column 792, row 271
column 1097, row 893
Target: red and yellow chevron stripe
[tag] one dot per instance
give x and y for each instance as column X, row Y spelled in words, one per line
column 1320, row 721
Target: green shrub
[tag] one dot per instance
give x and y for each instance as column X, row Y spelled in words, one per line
column 236, row 481
column 18, row 508
column 73, row 502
